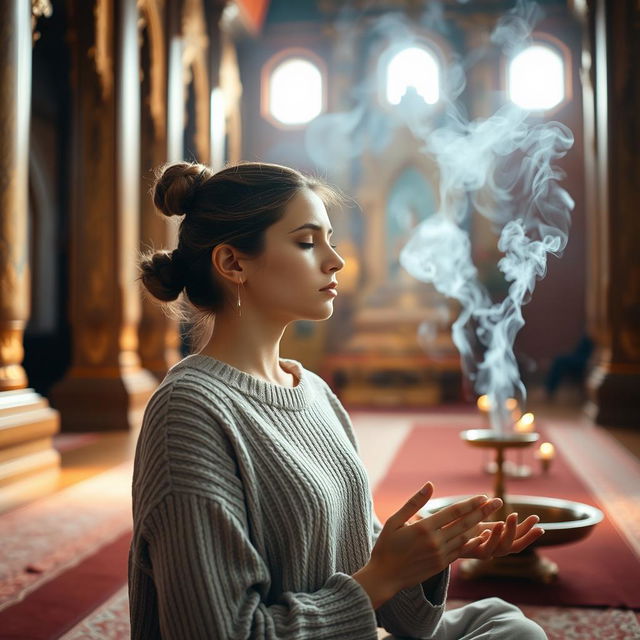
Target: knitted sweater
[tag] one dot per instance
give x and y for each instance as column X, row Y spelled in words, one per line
column 251, row 510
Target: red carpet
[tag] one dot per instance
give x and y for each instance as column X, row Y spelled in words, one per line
column 601, row 570
column 61, row 603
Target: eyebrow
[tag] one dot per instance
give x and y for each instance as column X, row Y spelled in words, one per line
column 310, row 225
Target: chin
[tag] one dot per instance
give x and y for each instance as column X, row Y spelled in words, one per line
column 318, row 316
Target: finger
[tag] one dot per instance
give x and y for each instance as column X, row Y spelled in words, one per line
column 526, row 525
column 454, row 547
column 508, row 535
column 470, row 546
column 456, row 511
column 521, row 529
column 474, row 543
column 487, row 549
column 471, row 520
column 416, row 502
column 522, row 543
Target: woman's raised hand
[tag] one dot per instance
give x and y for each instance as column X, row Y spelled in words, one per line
column 407, row 554
column 494, row 539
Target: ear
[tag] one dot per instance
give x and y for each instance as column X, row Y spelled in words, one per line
column 227, row 263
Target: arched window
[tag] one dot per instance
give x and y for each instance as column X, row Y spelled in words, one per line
column 536, row 78
column 294, row 91
column 413, row 69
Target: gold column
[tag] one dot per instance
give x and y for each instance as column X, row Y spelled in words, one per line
column 614, row 224
column 29, row 465
column 105, row 388
column 158, row 334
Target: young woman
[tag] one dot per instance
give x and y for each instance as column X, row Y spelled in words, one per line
column 252, row 511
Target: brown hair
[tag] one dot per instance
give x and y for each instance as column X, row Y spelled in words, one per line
column 234, row 206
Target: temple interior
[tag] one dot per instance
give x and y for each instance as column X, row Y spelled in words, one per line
column 373, row 97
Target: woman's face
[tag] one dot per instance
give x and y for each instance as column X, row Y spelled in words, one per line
column 298, row 260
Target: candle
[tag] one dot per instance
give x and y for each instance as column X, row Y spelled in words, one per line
column 526, row 424
column 484, row 404
column 510, row 404
column 546, row 453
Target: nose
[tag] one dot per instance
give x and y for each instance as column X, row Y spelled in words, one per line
column 336, row 262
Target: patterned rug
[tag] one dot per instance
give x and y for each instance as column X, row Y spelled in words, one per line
column 63, row 559
column 47, row 537
column 110, row 622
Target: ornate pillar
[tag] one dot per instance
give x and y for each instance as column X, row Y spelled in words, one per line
column 614, row 383
column 105, row 388
column 158, row 335
column 196, row 70
column 217, row 128
column 29, row 465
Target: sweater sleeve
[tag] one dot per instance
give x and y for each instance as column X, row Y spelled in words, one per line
column 211, row 582
column 415, row 611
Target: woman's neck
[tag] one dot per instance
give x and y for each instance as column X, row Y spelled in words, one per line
column 250, row 347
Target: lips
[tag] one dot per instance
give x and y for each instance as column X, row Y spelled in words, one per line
column 331, row 285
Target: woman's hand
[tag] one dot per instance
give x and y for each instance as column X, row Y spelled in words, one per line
column 495, row 539
column 408, row 553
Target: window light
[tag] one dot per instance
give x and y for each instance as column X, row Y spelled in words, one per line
column 295, row 91
column 536, row 78
column 413, row 67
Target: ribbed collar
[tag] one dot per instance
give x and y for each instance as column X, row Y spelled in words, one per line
column 295, row 398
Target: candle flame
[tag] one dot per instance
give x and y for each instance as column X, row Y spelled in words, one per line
column 546, row 451
column 526, row 423
column 510, row 404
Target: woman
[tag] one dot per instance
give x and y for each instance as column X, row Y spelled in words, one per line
column 252, row 510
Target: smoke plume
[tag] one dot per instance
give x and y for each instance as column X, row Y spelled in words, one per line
column 502, row 168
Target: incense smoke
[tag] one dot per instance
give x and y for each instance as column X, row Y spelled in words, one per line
column 501, row 168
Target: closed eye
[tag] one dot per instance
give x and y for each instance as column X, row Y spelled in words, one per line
column 310, row 245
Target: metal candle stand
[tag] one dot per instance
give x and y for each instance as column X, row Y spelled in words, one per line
column 564, row 521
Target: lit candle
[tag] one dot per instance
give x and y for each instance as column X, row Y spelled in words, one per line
column 510, row 404
column 526, row 424
column 546, row 452
column 484, row 404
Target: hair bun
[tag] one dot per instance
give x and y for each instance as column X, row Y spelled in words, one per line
column 176, row 185
column 162, row 274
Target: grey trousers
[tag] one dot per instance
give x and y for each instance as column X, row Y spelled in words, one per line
column 488, row 619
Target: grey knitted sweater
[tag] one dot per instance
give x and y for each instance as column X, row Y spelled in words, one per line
column 251, row 510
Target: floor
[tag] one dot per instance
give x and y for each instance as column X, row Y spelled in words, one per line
column 379, row 435
column 100, row 452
